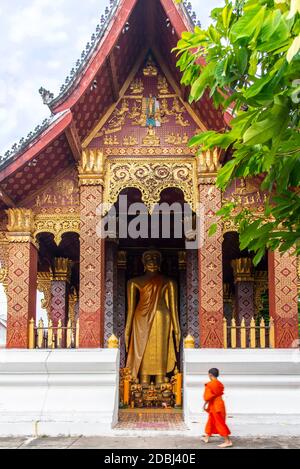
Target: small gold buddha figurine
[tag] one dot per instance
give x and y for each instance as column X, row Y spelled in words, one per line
column 150, row 70
column 151, row 139
column 167, row 397
column 162, row 85
column 181, row 121
column 137, row 86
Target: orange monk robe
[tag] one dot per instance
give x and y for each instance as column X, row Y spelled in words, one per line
column 216, row 409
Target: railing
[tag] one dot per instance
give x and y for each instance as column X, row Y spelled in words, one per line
column 53, row 337
column 248, row 336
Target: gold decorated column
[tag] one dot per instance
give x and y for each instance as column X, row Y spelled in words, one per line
column 92, row 267
column 21, row 277
column 210, row 254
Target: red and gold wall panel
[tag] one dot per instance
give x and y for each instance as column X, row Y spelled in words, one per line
column 283, row 298
column 21, row 292
column 92, row 270
column 210, row 269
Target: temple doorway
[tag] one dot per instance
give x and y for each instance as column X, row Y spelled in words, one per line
column 124, row 262
column 245, row 293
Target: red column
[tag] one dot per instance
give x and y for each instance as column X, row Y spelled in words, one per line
column 283, row 298
column 22, row 277
column 210, row 256
column 92, row 268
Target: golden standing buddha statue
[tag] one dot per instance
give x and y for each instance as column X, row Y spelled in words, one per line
column 151, row 322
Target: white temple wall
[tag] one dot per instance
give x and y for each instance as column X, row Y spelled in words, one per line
column 53, row 392
column 261, row 386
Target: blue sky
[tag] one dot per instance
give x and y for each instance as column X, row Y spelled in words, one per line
column 40, row 42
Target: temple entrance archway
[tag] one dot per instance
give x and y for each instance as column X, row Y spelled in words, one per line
column 124, row 262
column 57, row 285
column 245, row 288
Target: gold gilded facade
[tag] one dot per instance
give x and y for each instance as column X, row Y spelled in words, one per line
column 151, row 178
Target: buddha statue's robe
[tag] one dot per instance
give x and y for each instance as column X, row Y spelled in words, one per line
column 216, row 423
column 151, row 347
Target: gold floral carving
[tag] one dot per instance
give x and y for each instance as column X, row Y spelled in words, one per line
column 149, row 151
column 229, row 226
column 91, row 168
column 57, row 225
column 44, row 286
column 151, row 178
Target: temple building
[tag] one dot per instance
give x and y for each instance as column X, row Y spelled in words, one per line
column 133, row 322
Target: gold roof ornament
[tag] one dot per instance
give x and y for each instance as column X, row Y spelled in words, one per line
column 113, row 342
column 189, row 341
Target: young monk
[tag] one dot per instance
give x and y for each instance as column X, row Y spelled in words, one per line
column 215, row 407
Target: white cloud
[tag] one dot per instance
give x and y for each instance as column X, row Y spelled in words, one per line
column 41, row 19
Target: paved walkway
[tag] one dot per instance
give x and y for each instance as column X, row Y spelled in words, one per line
column 143, row 442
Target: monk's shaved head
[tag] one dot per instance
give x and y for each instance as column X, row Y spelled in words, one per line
column 214, row 372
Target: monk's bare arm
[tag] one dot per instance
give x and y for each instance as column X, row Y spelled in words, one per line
column 173, row 305
column 131, row 304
